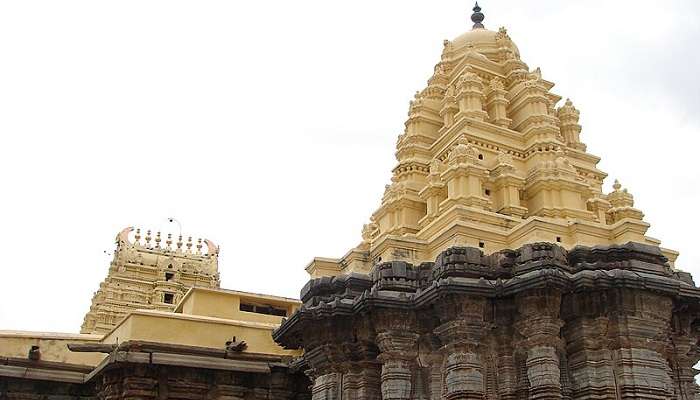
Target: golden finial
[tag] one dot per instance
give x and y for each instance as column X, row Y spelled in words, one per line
column 199, row 246
column 137, row 236
column 169, row 241
column 179, row 243
column 189, row 244
column 148, row 238
column 158, row 240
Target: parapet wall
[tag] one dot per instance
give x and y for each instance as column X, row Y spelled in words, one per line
column 52, row 347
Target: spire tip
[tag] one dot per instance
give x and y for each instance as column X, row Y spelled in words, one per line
column 477, row 17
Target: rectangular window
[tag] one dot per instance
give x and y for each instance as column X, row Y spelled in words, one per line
column 168, row 298
column 263, row 309
column 169, row 276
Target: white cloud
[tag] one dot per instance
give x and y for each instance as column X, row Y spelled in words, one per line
column 270, row 127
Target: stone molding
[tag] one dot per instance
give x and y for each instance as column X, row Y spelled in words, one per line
column 538, row 322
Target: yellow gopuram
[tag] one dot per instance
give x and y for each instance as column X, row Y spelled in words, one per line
column 148, row 274
column 487, row 159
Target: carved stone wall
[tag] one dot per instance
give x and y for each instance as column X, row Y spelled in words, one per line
column 26, row 389
column 539, row 322
column 131, row 372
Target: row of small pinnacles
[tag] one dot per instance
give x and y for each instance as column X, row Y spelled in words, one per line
column 154, row 243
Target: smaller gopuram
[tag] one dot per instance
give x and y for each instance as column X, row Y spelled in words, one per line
column 150, row 272
column 159, row 328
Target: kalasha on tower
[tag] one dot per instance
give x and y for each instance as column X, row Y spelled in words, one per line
column 496, row 267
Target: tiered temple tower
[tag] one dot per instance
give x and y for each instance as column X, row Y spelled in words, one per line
column 150, row 274
column 498, row 267
column 487, row 159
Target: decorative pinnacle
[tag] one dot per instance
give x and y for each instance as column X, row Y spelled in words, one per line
column 477, row 17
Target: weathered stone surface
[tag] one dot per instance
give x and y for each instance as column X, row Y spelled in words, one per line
column 538, row 322
column 132, row 372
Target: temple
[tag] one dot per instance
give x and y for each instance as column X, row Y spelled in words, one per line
column 495, row 267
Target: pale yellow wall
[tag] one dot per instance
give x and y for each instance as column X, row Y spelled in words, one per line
column 190, row 330
column 52, row 346
column 222, row 303
column 205, row 318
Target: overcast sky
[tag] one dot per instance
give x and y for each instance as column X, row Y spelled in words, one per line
column 269, row 126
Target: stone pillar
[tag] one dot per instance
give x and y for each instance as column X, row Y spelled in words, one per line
column 539, row 324
column 325, row 354
column 507, row 373
column 362, row 381
column 141, row 382
column 260, row 393
column 683, row 359
column 280, row 384
column 640, row 326
column 435, row 363
column 325, row 361
column 326, row 387
column 227, row 386
column 398, row 353
column 461, row 329
column 587, row 345
column 686, row 352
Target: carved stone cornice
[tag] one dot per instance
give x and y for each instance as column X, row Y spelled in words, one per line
column 466, row 271
column 538, row 313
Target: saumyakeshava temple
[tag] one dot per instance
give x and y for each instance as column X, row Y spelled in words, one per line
column 495, row 267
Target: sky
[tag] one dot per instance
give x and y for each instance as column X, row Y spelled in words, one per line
column 270, row 126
